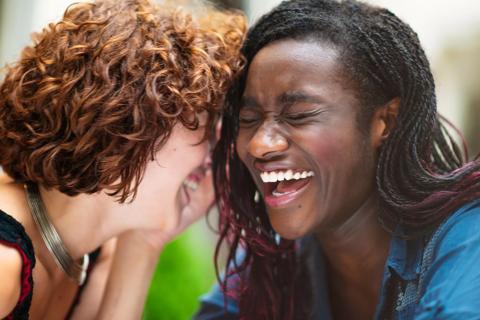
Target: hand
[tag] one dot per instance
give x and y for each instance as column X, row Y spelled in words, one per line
column 138, row 250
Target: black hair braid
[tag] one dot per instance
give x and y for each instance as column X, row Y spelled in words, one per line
column 406, row 180
column 446, row 158
column 385, row 62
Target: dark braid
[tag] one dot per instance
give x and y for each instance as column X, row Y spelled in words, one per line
column 421, row 176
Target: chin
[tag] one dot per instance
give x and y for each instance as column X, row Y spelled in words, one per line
column 289, row 230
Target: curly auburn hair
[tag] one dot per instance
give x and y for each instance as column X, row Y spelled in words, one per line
column 98, row 93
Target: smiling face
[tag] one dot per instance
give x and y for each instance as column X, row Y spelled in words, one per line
column 299, row 137
column 181, row 161
column 178, row 168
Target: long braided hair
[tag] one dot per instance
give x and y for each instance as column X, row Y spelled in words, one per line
column 422, row 174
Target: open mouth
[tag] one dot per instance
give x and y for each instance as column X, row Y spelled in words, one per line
column 192, row 182
column 193, row 179
column 282, row 186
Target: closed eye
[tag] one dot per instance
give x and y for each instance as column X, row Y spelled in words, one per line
column 245, row 120
column 302, row 116
column 248, row 117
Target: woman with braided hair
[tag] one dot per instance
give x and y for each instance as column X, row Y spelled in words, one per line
column 337, row 178
column 104, row 128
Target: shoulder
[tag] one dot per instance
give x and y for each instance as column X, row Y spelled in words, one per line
column 13, row 201
column 17, row 260
column 13, row 234
column 213, row 305
column 16, row 224
column 450, row 279
column 461, row 230
column 10, row 275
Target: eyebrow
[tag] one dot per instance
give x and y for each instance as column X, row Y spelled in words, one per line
column 246, row 101
column 286, row 100
column 289, row 98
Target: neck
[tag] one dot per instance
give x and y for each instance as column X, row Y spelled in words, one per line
column 357, row 249
column 84, row 222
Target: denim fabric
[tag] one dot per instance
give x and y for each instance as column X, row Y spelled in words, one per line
column 436, row 277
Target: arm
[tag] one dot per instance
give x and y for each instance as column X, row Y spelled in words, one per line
column 137, row 253
column 452, row 284
column 91, row 297
column 10, row 278
column 130, row 276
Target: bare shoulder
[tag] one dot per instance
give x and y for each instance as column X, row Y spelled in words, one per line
column 10, row 275
column 13, row 201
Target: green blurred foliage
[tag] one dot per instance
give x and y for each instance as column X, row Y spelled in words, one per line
column 185, row 271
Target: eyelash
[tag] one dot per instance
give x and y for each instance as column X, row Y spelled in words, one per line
column 302, row 116
column 248, row 120
column 288, row 117
column 296, row 116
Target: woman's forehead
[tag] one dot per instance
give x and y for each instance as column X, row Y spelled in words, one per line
column 304, row 53
column 293, row 66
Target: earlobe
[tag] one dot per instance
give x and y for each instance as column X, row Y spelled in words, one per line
column 384, row 121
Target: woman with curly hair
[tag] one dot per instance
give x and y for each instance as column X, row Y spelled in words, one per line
column 337, row 178
column 104, row 122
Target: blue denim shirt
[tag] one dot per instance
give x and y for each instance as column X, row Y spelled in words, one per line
column 437, row 277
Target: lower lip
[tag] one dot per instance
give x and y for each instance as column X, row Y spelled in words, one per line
column 278, row 202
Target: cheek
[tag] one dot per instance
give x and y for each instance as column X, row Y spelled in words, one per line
column 325, row 149
column 183, row 153
column 190, row 151
column 189, row 157
column 341, row 159
column 201, row 152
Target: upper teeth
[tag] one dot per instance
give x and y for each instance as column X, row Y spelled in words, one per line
column 275, row 176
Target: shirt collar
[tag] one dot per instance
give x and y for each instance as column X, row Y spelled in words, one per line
column 405, row 256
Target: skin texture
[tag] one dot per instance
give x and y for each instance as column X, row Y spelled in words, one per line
column 164, row 213
column 11, row 271
column 300, row 113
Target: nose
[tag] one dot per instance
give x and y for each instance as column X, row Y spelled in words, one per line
column 267, row 142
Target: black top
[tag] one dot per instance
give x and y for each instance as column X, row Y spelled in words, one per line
column 13, row 234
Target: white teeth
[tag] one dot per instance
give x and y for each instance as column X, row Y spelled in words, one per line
column 276, row 176
column 275, row 193
column 289, row 175
column 273, row 177
column 192, row 185
column 264, row 175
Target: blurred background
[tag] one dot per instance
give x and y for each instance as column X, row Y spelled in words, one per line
column 450, row 33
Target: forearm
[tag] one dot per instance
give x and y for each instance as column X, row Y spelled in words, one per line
column 137, row 254
column 129, row 280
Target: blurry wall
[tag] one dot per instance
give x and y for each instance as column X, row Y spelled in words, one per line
column 19, row 18
column 15, row 25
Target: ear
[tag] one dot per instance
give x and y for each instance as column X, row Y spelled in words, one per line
column 383, row 121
